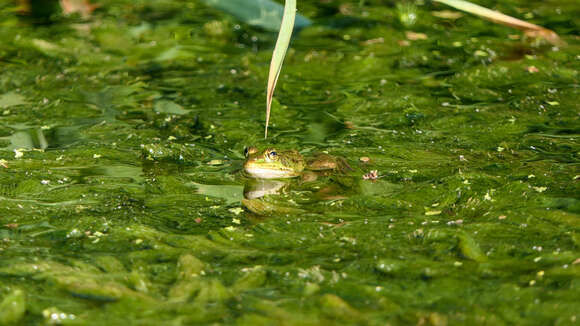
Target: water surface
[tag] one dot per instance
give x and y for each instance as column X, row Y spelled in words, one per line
column 122, row 139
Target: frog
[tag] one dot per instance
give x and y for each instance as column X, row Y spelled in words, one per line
column 271, row 171
column 281, row 164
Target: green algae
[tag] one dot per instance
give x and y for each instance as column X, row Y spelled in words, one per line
column 13, row 307
column 122, row 138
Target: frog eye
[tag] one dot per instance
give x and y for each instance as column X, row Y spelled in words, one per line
column 250, row 150
column 272, row 154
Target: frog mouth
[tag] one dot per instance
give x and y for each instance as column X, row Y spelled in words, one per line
column 266, row 173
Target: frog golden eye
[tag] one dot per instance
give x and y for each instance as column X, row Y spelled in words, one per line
column 272, row 155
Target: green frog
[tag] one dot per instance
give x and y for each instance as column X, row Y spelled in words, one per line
column 272, row 169
column 273, row 164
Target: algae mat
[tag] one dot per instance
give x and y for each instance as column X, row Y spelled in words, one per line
column 122, row 137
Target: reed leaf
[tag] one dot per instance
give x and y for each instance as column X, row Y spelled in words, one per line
column 278, row 55
column 529, row 29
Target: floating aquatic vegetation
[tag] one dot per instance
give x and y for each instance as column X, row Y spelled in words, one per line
column 132, row 213
column 12, row 307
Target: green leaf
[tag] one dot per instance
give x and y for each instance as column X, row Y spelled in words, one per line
column 265, row 14
column 279, row 54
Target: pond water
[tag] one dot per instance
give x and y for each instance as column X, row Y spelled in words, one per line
column 122, row 138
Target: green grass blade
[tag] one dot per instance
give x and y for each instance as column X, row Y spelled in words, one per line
column 279, row 54
column 528, row 28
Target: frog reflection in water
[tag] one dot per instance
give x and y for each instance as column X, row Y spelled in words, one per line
column 272, row 168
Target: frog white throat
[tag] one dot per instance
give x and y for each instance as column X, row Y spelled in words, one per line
column 266, row 173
